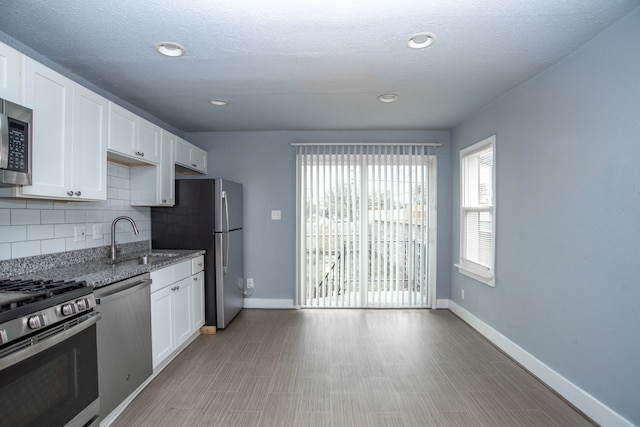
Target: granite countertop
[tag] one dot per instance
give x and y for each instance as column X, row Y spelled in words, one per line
column 100, row 272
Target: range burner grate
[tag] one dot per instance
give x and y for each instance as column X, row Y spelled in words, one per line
column 18, row 293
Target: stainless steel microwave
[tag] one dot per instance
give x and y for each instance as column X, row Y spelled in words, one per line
column 15, row 144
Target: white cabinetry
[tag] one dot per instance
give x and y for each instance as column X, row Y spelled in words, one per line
column 167, row 170
column 155, row 185
column 10, row 79
column 162, row 336
column 133, row 137
column 191, row 157
column 89, row 171
column 177, row 303
column 197, row 292
column 69, row 136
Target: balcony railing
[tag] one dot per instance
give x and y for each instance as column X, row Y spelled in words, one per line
column 395, row 275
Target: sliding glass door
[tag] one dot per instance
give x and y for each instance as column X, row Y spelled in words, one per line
column 365, row 225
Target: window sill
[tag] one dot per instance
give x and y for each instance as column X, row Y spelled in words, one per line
column 487, row 279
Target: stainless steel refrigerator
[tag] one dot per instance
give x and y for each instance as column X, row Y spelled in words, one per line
column 208, row 215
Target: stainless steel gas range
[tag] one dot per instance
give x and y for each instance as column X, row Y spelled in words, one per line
column 48, row 353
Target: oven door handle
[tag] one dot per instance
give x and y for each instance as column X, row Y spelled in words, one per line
column 90, row 319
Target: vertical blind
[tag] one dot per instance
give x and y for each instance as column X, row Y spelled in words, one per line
column 365, row 225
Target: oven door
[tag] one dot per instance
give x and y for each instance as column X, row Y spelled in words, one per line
column 53, row 382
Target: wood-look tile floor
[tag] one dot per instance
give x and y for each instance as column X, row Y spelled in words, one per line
column 346, row 368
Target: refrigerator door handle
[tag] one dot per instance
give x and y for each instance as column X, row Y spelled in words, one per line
column 225, row 260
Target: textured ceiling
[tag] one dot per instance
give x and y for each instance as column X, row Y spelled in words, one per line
column 288, row 65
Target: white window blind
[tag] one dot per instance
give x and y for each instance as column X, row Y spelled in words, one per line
column 477, row 211
column 365, row 225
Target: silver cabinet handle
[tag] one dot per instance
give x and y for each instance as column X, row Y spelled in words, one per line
column 69, row 193
column 194, row 165
column 78, row 193
column 139, row 153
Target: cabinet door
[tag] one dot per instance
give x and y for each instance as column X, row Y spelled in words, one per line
column 190, row 156
column 90, row 115
column 10, row 82
column 49, row 95
column 183, row 152
column 162, row 319
column 199, row 159
column 167, row 170
column 182, row 310
column 197, row 300
column 148, row 141
column 123, row 130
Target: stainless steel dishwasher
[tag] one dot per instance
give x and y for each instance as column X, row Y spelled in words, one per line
column 124, row 339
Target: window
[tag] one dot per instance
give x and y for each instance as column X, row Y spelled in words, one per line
column 477, row 211
column 366, row 218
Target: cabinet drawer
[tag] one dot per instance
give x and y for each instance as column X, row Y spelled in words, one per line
column 197, row 265
column 181, row 270
column 166, row 276
column 161, row 278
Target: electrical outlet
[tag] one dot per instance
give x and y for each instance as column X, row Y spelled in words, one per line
column 276, row 215
column 79, row 233
column 97, row 231
column 462, row 294
column 249, row 283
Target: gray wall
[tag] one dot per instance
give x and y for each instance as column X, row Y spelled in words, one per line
column 264, row 163
column 568, row 217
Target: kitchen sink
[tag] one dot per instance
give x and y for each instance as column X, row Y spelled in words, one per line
column 150, row 258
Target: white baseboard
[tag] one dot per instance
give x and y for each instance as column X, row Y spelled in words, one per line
column 592, row 407
column 442, row 303
column 269, row 303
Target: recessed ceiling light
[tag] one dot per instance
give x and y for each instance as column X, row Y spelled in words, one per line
column 421, row 40
column 170, row 49
column 388, row 97
column 219, row 102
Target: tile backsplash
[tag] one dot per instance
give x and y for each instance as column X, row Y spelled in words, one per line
column 38, row 227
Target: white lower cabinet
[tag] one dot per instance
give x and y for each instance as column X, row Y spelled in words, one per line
column 177, row 306
column 162, row 336
column 197, row 295
column 181, row 306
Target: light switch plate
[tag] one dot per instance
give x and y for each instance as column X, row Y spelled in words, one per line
column 276, row 215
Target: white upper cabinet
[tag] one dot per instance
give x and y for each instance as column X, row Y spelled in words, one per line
column 191, row 157
column 167, row 169
column 149, row 140
column 89, row 171
column 132, row 136
column 123, row 130
column 10, row 78
column 50, row 96
column 69, row 137
column 153, row 185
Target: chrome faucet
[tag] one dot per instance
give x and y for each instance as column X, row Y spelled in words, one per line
column 114, row 247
